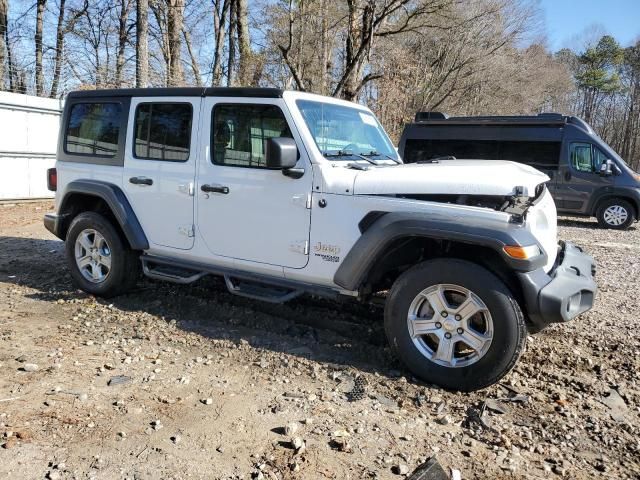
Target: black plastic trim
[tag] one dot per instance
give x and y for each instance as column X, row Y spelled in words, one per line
column 393, row 226
column 117, row 202
column 631, row 194
column 547, row 296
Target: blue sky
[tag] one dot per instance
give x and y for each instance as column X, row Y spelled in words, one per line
column 570, row 21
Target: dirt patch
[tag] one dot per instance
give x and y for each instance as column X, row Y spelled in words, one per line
column 192, row 382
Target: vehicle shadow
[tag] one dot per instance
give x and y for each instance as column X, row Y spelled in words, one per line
column 340, row 334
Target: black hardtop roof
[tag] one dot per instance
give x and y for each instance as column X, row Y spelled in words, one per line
column 180, row 92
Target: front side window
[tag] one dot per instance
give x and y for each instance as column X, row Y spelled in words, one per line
column 163, row 131
column 339, row 129
column 93, row 129
column 239, row 133
column 581, row 157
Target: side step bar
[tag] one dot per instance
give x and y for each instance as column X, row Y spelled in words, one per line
column 170, row 273
column 243, row 287
column 260, row 291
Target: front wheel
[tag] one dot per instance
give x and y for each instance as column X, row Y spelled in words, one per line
column 454, row 324
column 616, row 213
column 100, row 262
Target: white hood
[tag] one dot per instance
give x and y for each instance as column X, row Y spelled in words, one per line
column 471, row 177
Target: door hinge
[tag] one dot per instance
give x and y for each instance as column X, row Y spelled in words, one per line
column 302, row 200
column 301, row 246
column 188, row 231
column 309, row 201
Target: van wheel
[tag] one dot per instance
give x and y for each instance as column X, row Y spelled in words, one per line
column 616, row 213
column 99, row 261
column 454, row 324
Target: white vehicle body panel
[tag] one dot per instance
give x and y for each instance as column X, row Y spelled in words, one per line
column 471, row 177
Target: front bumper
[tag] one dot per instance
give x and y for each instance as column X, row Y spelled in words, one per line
column 568, row 290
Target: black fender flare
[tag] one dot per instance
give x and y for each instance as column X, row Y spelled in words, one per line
column 117, row 202
column 630, row 194
column 392, row 226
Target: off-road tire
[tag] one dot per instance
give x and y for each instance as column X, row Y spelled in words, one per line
column 509, row 329
column 616, row 202
column 125, row 263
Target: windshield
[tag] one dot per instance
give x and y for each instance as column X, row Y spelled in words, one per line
column 340, row 131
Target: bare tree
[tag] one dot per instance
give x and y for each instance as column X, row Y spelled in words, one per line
column 62, row 30
column 142, row 43
column 244, row 44
column 220, row 14
column 175, row 17
column 194, row 61
column 4, row 11
column 40, row 6
column 123, row 38
column 231, row 59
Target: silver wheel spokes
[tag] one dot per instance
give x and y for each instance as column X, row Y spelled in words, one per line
column 616, row 215
column 450, row 325
column 93, row 256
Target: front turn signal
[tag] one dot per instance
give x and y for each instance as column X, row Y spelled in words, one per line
column 521, row 253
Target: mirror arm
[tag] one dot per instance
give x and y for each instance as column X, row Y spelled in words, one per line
column 293, row 172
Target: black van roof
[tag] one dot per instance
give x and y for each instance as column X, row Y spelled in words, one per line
column 542, row 119
column 180, row 92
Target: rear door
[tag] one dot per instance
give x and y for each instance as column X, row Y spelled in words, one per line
column 160, row 165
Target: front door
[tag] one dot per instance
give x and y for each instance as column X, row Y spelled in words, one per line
column 580, row 178
column 249, row 212
column 160, row 166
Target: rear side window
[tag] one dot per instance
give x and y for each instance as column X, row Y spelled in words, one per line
column 93, row 129
column 163, row 131
column 239, row 132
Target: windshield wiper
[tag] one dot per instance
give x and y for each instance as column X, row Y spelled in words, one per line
column 374, row 153
column 348, row 153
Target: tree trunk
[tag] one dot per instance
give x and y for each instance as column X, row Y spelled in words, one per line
column 174, row 27
column 38, row 41
column 233, row 23
column 194, row 61
column 4, row 10
column 244, row 44
column 220, row 30
column 142, row 44
column 122, row 40
column 59, row 51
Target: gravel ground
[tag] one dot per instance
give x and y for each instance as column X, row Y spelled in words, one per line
column 192, row 382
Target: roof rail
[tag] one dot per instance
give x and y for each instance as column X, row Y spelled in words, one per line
column 547, row 118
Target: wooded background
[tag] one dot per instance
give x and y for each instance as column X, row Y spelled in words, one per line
column 472, row 57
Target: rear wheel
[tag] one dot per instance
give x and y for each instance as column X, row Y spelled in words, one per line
column 616, row 213
column 454, row 324
column 99, row 261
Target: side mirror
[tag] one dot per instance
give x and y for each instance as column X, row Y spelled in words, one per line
column 281, row 153
column 609, row 168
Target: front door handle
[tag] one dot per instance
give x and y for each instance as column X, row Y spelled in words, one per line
column 141, row 181
column 214, row 189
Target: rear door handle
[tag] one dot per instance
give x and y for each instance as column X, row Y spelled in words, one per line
column 214, row 189
column 141, row 181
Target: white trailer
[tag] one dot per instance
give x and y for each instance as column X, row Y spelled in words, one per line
column 28, row 140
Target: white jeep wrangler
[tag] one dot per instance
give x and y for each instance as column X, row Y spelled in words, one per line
column 284, row 193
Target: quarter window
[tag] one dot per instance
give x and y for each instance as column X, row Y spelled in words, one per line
column 163, row 131
column 93, row 129
column 239, row 133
